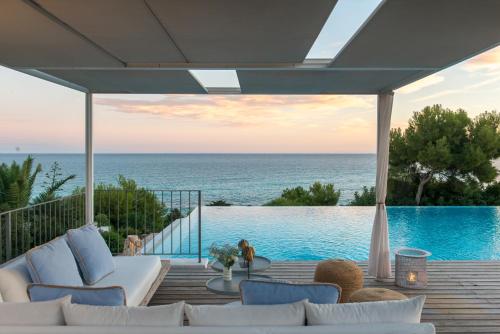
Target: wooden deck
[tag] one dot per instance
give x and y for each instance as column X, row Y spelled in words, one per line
column 462, row 296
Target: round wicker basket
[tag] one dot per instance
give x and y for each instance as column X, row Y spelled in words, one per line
column 344, row 273
column 375, row 295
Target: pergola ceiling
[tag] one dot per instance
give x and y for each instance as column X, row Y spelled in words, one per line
column 423, row 34
column 321, row 82
column 148, row 46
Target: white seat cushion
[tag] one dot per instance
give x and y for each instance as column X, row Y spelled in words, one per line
column 14, row 280
column 171, row 315
column 246, row 315
column 49, row 313
column 390, row 311
column 135, row 274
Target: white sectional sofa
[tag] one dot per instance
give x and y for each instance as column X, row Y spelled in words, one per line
column 136, row 274
column 424, row 328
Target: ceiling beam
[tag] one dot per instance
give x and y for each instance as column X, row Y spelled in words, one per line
column 53, row 79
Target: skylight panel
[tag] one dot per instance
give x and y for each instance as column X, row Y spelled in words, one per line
column 218, row 81
column 344, row 20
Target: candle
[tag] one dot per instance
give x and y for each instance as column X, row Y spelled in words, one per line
column 411, row 277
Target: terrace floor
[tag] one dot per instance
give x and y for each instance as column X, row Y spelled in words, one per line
column 462, row 296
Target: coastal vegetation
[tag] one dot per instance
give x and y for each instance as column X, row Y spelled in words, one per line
column 219, row 202
column 127, row 209
column 17, row 181
column 443, row 157
column 364, row 198
column 317, row 195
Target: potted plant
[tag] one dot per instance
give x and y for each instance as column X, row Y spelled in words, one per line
column 227, row 255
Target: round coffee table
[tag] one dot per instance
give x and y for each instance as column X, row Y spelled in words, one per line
column 231, row 288
column 259, row 263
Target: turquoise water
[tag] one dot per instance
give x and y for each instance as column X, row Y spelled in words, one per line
column 314, row 233
column 243, row 179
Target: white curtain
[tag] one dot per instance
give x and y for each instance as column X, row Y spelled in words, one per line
column 379, row 263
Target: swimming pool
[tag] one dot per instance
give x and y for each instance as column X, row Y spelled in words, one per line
column 314, row 233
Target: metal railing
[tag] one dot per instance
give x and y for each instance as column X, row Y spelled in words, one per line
column 167, row 221
column 24, row 228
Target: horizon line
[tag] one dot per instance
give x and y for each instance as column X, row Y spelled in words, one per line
column 185, row 153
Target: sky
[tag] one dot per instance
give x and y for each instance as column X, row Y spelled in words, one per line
column 40, row 117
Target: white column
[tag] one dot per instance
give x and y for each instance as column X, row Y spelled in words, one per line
column 89, row 161
column 379, row 263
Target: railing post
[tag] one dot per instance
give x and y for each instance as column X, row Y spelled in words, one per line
column 89, row 161
column 199, row 226
column 8, row 237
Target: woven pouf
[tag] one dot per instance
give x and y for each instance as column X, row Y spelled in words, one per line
column 375, row 295
column 344, row 273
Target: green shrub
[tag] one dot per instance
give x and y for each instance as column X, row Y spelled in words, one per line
column 219, row 202
column 365, row 198
column 317, row 195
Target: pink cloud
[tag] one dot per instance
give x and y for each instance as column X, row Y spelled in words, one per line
column 240, row 110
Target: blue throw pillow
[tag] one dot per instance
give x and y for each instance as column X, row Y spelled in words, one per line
column 105, row 296
column 91, row 252
column 255, row 292
column 53, row 263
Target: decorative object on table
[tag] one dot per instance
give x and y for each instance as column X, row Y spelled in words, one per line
column 411, row 268
column 132, row 245
column 344, row 273
column 375, row 295
column 247, row 255
column 226, row 255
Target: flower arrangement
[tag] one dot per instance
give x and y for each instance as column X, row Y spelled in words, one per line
column 225, row 254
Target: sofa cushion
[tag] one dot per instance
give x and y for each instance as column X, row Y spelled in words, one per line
column 246, row 315
column 255, row 292
column 105, row 296
column 53, row 263
column 91, row 253
column 135, row 274
column 164, row 315
column 33, row 314
column 391, row 311
column 14, row 280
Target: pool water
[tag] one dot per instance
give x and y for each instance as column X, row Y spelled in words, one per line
column 314, row 233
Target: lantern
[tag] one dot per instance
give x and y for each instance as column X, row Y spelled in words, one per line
column 411, row 268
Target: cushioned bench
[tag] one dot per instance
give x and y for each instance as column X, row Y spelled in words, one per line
column 140, row 276
column 136, row 274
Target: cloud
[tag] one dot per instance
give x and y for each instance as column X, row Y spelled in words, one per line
column 487, row 61
column 465, row 89
column 241, row 110
column 420, row 84
column 439, row 94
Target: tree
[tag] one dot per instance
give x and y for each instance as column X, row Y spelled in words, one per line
column 318, row 194
column 16, row 183
column 445, row 145
column 365, row 198
column 127, row 209
column 54, row 181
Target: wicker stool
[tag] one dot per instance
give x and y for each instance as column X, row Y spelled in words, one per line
column 375, row 295
column 344, row 273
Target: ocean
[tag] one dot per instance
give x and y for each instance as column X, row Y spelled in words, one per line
column 240, row 179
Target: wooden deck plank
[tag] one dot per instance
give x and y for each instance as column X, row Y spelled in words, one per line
column 462, row 296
